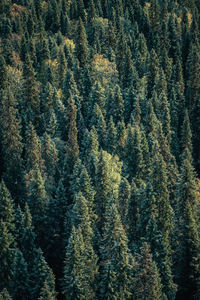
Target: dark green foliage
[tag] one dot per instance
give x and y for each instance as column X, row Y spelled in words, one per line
column 79, row 273
column 147, row 283
column 99, row 149
column 82, row 44
column 6, row 255
column 188, row 259
column 116, row 262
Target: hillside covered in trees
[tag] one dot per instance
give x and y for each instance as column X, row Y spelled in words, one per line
column 99, row 149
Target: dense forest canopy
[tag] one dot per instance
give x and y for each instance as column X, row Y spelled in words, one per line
column 99, row 149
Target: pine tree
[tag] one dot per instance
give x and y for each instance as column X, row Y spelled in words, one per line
column 82, row 44
column 31, row 101
column 147, row 283
column 3, row 73
column 186, row 135
column 33, row 153
column 71, row 131
column 4, row 295
column 124, row 197
column 6, row 255
column 163, row 222
column 79, row 274
column 99, row 123
column 81, row 217
column 6, row 207
column 40, row 273
column 107, row 180
column 82, row 183
column 38, row 200
column 46, row 293
column 11, row 142
column 193, row 68
column 117, row 106
column 115, row 260
column 111, row 136
column 50, row 157
column 188, row 252
column 20, row 277
column 134, row 155
column 91, row 151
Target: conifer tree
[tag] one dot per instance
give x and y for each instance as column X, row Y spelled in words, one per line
column 6, row 207
column 33, row 153
column 6, row 255
column 193, row 69
column 107, row 180
column 31, row 101
column 4, row 295
column 188, row 257
column 99, row 123
column 116, row 261
column 83, row 184
column 38, row 200
column 46, row 293
column 11, row 142
column 111, row 136
column 82, row 44
column 71, row 131
column 79, row 275
column 117, row 106
column 124, row 197
column 40, row 273
column 147, row 283
column 3, row 73
column 20, row 276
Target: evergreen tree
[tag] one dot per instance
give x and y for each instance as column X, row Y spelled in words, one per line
column 38, row 200
column 107, row 179
column 116, row 261
column 6, row 207
column 20, row 277
column 31, row 101
column 82, row 44
column 147, row 283
column 4, row 295
column 11, row 142
column 7, row 250
column 188, row 257
column 33, row 153
column 78, row 282
column 46, row 293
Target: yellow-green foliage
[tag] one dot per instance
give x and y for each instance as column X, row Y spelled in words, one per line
column 103, row 69
column 111, row 173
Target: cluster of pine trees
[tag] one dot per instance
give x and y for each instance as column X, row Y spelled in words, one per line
column 99, row 149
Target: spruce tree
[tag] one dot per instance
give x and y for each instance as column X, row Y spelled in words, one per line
column 38, row 200
column 188, row 251
column 79, row 274
column 46, row 293
column 7, row 250
column 82, row 44
column 11, row 143
column 4, row 295
column 147, row 282
column 115, row 260
column 6, row 207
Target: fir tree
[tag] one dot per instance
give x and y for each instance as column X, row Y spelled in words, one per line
column 78, row 282
column 188, row 257
column 116, row 261
column 147, row 283
column 82, row 44
column 12, row 146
